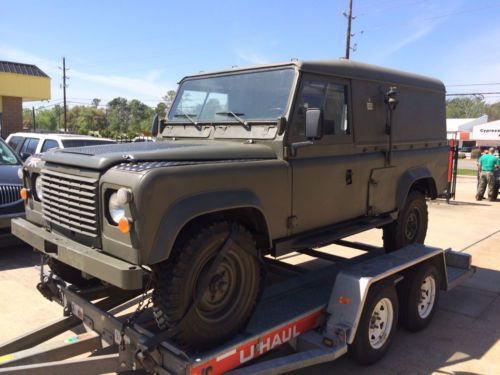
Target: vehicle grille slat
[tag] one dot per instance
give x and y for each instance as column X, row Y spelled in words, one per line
column 71, row 202
column 10, row 194
column 66, row 189
column 71, row 206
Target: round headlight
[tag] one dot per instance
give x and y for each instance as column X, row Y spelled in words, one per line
column 116, row 208
column 39, row 187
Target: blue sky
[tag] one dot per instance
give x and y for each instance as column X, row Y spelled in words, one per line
column 140, row 49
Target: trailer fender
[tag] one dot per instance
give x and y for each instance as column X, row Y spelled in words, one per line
column 352, row 286
column 187, row 209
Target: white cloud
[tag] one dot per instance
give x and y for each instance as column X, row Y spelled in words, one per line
column 83, row 86
column 250, row 56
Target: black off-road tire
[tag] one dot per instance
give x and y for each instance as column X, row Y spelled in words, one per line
column 362, row 349
column 419, row 295
column 227, row 303
column 68, row 273
column 411, row 225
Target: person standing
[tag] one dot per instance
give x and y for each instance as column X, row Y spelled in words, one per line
column 486, row 165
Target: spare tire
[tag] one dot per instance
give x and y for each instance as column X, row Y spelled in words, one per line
column 228, row 300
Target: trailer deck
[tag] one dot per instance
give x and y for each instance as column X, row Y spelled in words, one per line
column 316, row 313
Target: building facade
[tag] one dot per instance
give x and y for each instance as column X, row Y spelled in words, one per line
column 19, row 83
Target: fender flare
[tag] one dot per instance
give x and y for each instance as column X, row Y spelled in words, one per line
column 407, row 180
column 189, row 208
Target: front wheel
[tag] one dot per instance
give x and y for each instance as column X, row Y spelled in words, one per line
column 377, row 325
column 201, row 315
column 411, row 225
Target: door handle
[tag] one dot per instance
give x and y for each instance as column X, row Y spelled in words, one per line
column 348, row 177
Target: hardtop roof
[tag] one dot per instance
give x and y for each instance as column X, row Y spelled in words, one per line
column 345, row 69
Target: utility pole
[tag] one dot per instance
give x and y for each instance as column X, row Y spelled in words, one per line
column 34, row 120
column 64, row 93
column 348, row 38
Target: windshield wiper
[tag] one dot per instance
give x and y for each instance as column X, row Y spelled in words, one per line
column 188, row 116
column 235, row 115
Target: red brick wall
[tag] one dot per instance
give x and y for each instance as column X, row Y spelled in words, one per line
column 12, row 115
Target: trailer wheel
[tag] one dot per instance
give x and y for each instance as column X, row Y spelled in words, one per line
column 377, row 325
column 419, row 296
column 411, row 225
column 228, row 301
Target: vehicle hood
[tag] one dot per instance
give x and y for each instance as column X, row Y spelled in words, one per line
column 105, row 156
column 8, row 175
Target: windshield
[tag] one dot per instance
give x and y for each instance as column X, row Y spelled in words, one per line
column 7, row 157
column 236, row 97
column 84, row 142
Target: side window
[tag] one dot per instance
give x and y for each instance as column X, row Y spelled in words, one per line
column 331, row 98
column 15, row 141
column 29, row 145
column 49, row 144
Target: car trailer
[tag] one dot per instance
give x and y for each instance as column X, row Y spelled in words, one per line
column 349, row 305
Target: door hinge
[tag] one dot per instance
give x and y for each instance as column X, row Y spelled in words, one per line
column 292, row 221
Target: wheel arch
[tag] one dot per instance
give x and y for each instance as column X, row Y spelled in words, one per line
column 420, row 179
column 242, row 206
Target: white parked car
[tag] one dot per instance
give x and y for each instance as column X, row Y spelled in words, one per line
column 27, row 144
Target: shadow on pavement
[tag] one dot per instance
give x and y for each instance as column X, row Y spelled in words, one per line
column 19, row 256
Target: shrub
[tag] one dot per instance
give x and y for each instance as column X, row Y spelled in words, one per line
column 461, row 155
column 475, row 154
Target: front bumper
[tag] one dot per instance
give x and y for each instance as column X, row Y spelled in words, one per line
column 5, row 219
column 114, row 271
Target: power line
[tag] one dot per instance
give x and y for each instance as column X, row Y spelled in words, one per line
column 473, row 84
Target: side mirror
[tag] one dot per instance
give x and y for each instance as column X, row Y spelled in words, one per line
column 24, row 155
column 314, row 123
column 154, row 127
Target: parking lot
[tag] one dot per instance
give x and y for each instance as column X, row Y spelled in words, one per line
column 463, row 338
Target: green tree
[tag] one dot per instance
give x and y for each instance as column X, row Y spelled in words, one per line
column 168, row 99
column 493, row 111
column 141, row 116
column 119, row 115
column 465, row 107
column 96, row 102
column 161, row 109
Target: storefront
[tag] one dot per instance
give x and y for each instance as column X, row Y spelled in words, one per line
column 487, row 134
column 19, row 83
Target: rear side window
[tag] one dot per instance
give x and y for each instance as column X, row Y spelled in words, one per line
column 15, row 141
column 29, row 145
column 84, row 142
column 49, row 144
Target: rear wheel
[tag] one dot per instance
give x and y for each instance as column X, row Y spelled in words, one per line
column 377, row 325
column 225, row 304
column 411, row 225
column 419, row 294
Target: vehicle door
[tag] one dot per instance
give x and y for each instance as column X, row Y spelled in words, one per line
column 28, row 148
column 327, row 184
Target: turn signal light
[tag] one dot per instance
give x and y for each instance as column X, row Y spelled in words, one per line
column 24, row 194
column 344, row 300
column 124, row 225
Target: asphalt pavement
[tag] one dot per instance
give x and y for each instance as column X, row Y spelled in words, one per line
column 462, row 339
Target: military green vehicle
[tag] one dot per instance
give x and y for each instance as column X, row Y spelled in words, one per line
column 250, row 162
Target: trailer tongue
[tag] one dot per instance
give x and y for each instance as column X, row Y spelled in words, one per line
column 320, row 314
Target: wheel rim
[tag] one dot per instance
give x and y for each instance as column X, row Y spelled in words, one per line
column 412, row 224
column 381, row 323
column 427, row 297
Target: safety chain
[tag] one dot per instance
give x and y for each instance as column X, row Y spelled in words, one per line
column 143, row 305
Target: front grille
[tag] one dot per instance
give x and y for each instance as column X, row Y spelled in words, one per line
column 9, row 194
column 71, row 202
